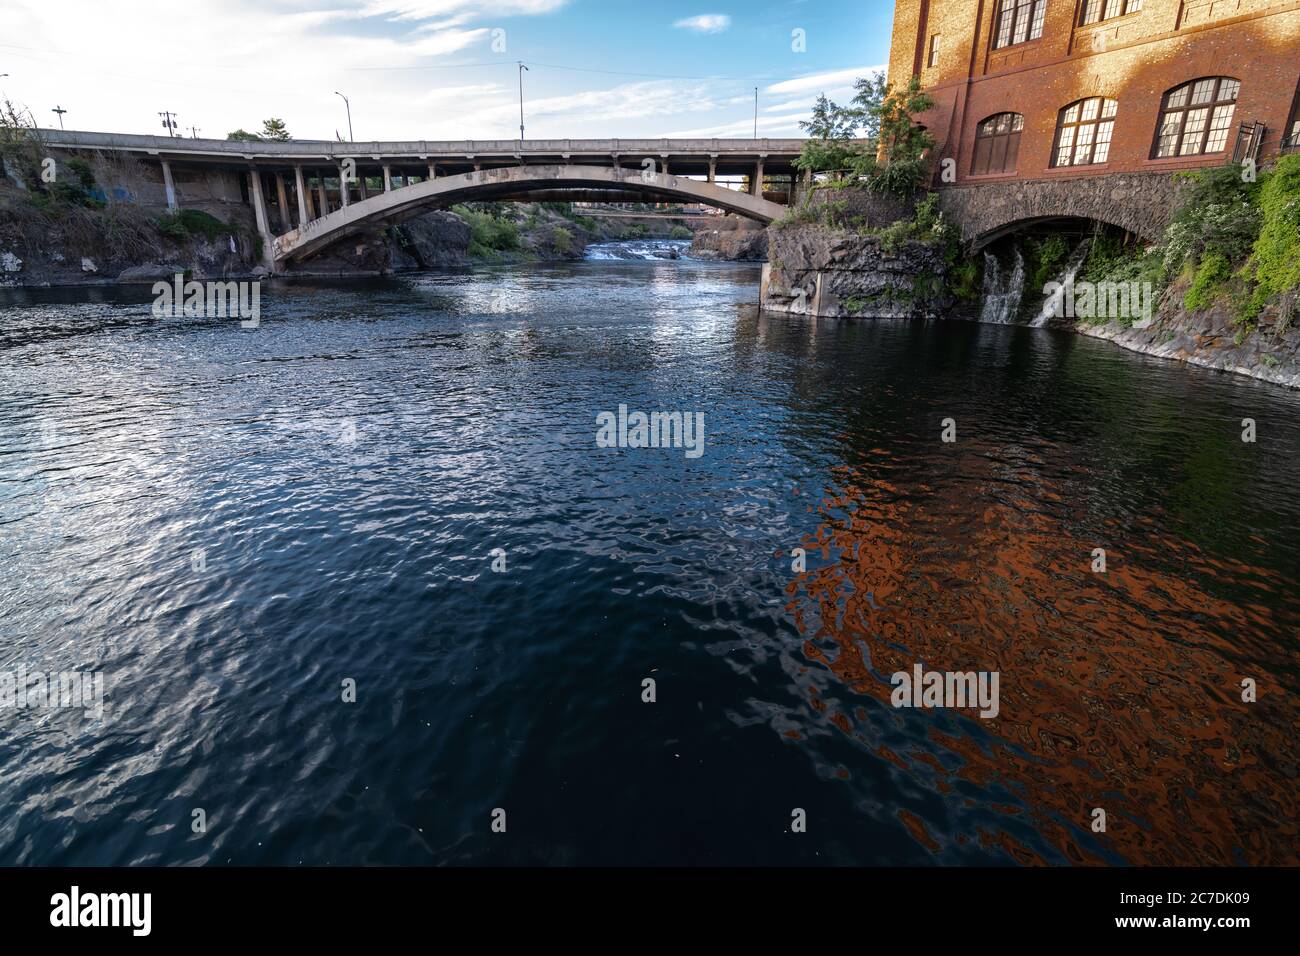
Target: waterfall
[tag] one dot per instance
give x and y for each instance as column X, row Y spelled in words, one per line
column 1051, row 305
column 1002, row 299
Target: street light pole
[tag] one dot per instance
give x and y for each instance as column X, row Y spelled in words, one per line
column 756, row 112
column 351, row 138
column 522, row 68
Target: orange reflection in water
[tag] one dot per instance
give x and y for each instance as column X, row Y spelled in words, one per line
column 1119, row 690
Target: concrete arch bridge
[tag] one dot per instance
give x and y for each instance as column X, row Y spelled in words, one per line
column 306, row 195
column 517, row 183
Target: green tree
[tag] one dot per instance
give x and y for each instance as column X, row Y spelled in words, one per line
column 831, row 129
column 891, row 156
column 274, row 129
column 244, row 136
column 898, row 165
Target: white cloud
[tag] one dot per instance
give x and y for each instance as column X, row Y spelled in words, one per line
column 705, row 23
column 816, row 82
column 471, row 9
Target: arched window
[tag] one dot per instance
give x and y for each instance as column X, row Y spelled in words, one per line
column 1083, row 132
column 1018, row 21
column 1096, row 10
column 997, row 144
column 1194, row 117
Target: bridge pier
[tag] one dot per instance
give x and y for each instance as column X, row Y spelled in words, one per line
column 169, row 185
column 757, row 185
column 304, row 197
column 433, row 170
column 282, row 199
column 388, row 178
column 344, row 199
column 259, row 214
column 324, row 200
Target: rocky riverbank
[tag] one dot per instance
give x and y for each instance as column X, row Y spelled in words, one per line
column 729, row 238
column 1211, row 339
column 48, row 243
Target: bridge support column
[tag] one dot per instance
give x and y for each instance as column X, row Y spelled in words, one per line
column 388, row 179
column 304, row 197
column 259, row 213
column 433, row 171
column 343, row 189
column 322, row 196
column 713, row 170
column 169, row 185
column 757, row 184
column 281, row 197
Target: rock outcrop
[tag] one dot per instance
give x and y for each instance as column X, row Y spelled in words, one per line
column 730, row 238
column 813, row 270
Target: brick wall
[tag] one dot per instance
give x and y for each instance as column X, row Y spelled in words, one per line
column 1133, row 59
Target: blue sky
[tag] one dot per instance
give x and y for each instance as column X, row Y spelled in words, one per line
column 438, row 69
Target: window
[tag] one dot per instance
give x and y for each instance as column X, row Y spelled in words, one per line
column 1018, row 21
column 933, row 59
column 1096, row 10
column 1083, row 132
column 1194, row 117
column 997, row 144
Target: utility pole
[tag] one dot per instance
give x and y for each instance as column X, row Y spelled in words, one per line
column 194, row 132
column 756, row 112
column 522, row 68
column 60, row 110
column 349, row 106
column 169, row 121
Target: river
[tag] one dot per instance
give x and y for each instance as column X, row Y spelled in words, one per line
column 361, row 576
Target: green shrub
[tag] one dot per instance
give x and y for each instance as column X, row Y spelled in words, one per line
column 1211, row 277
column 562, row 240
column 1274, row 265
column 894, row 236
column 489, row 235
column 81, row 169
column 186, row 224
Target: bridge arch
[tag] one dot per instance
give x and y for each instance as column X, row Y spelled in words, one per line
column 509, row 182
column 1139, row 203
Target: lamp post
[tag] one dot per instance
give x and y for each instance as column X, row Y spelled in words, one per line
column 351, row 138
column 522, row 68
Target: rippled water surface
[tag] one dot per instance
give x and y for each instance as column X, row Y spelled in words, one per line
column 231, row 523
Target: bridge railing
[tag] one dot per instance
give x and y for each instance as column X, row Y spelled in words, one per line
column 415, row 149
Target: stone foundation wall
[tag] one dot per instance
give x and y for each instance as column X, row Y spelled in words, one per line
column 812, row 270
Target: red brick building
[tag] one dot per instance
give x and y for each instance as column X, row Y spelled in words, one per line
column 1041, row 89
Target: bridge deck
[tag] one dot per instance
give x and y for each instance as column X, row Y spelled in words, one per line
column 775, row 153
